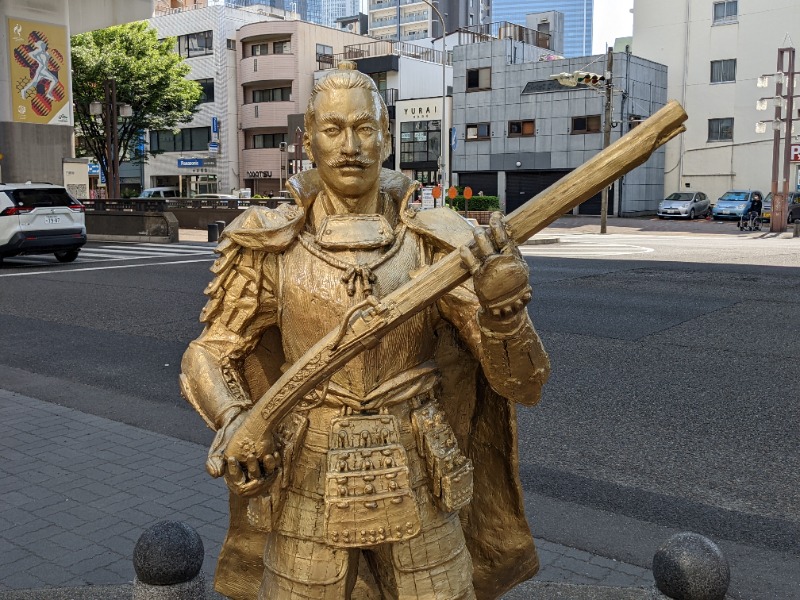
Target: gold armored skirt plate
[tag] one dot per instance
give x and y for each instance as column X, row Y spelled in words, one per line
column 368, row 497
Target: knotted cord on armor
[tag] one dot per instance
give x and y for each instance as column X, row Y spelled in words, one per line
column 354, row 272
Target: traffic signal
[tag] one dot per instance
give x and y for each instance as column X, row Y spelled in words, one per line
column 591, row 79
column 582, row 77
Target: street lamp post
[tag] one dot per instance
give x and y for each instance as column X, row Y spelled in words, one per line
column 110, row 111
column 445, row 132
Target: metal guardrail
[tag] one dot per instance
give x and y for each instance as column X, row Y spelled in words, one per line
column 165, row 204
column 389, row 47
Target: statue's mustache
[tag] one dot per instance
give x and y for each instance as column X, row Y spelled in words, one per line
column 361, row 163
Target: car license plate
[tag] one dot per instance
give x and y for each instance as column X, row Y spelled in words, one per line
column 52, row 220
column 726, row 212
column 671, row 211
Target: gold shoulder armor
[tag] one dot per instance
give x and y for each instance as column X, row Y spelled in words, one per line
column 265, row 229
column 444, row 227
column 243, row 249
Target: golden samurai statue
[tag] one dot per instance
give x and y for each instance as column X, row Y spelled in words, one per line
column 393, row 473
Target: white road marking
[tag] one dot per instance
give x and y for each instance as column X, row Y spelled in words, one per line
column 62, row 271
column 582, row 249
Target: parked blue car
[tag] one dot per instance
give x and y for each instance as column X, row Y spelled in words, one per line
column 734, row 204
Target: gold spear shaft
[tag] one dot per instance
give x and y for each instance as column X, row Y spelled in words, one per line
column 363, row 329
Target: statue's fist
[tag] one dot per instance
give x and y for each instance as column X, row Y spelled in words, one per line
column 499, row 273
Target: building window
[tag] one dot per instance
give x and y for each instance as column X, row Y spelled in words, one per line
column 420, row 141
column 521, row 128
column 587, row 124
column 478, row 131
column 191, row 139
column 726, row 12
column 324, row 56
column 720, row 130
column 259, row 49
column 268, row 140
column 206, row 90
column 282, row 94
column 479, row 79
column 723, row 70
column 231, row 44
column 196, row 44
column 284, row 47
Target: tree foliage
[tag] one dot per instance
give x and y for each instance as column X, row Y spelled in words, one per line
column 149, row 74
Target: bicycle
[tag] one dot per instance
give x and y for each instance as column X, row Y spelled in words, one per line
column 751, row 221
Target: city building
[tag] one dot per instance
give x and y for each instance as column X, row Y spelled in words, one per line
column 716, row 51
column 412, row 20
column 578, row 15
column 36, row 124
column 518, row 130
column 203, row 157
column 550, row 23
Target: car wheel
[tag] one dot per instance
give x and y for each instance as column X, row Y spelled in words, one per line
column 691, row 215
column 66, row 256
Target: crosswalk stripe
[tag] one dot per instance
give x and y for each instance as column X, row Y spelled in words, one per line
column 149, row 250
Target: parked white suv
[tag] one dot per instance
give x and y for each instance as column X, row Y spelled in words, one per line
column 40, row 218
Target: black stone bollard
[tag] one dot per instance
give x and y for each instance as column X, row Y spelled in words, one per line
column 167, row 560
column 220, row 225
column 689, row 566
column 796, row 232
column 213, row 232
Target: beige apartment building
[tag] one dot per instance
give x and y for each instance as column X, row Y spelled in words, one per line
column 275, row 75
column 715, row 52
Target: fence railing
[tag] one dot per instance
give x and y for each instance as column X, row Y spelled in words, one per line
column 505, row 30
column 389, row 47
column 165, row 204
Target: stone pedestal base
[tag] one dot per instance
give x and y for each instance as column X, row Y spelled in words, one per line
column 189, row 590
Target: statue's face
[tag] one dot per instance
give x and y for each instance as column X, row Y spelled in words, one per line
column 346, row 141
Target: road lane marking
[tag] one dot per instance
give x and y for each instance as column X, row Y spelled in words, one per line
column 67, row 270
column 581, row 249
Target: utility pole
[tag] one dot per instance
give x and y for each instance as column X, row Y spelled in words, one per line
column 607, row 134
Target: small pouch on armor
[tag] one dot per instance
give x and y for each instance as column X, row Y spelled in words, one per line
column 262, row 511
column 450, row 471
column 368, row 498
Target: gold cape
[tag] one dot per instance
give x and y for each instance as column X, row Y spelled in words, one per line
column 495, row 528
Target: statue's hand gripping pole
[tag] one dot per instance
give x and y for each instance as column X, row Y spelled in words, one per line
column 367, row 324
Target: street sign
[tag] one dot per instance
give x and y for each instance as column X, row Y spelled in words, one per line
column 452, row 192
column 794, row 154
column 467, row 192
column 94, row 169
column 437, row 192
column 213, row 147
column 214, row 125
column 427, row 198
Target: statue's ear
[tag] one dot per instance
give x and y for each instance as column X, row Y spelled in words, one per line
column 386, row 151
column 307, row 146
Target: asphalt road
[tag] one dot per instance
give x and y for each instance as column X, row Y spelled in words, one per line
column 672, row 404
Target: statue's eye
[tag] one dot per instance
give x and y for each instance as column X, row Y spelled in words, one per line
column 332, row 130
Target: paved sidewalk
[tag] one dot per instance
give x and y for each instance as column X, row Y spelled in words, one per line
column 77, row 490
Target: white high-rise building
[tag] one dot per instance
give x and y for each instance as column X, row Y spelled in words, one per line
column 715, row 52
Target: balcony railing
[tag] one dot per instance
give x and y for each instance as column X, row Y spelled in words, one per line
column 389, row 96
column 387, row 48
column 505, row 30
column 414, row 18
column 380, row 5
column 377, row 23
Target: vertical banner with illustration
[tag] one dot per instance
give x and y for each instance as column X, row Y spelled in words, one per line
column 39, row 72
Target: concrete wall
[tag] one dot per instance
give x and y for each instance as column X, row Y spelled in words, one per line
column 132, row 226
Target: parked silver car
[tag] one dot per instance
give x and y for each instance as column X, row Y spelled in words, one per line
column 685, row 204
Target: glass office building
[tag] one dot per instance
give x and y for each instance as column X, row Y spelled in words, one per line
column 577, row 19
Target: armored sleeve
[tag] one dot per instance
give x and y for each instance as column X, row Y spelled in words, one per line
column 512, row 356
column 241, row 306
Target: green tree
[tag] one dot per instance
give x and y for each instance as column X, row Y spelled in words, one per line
column 150, row 76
